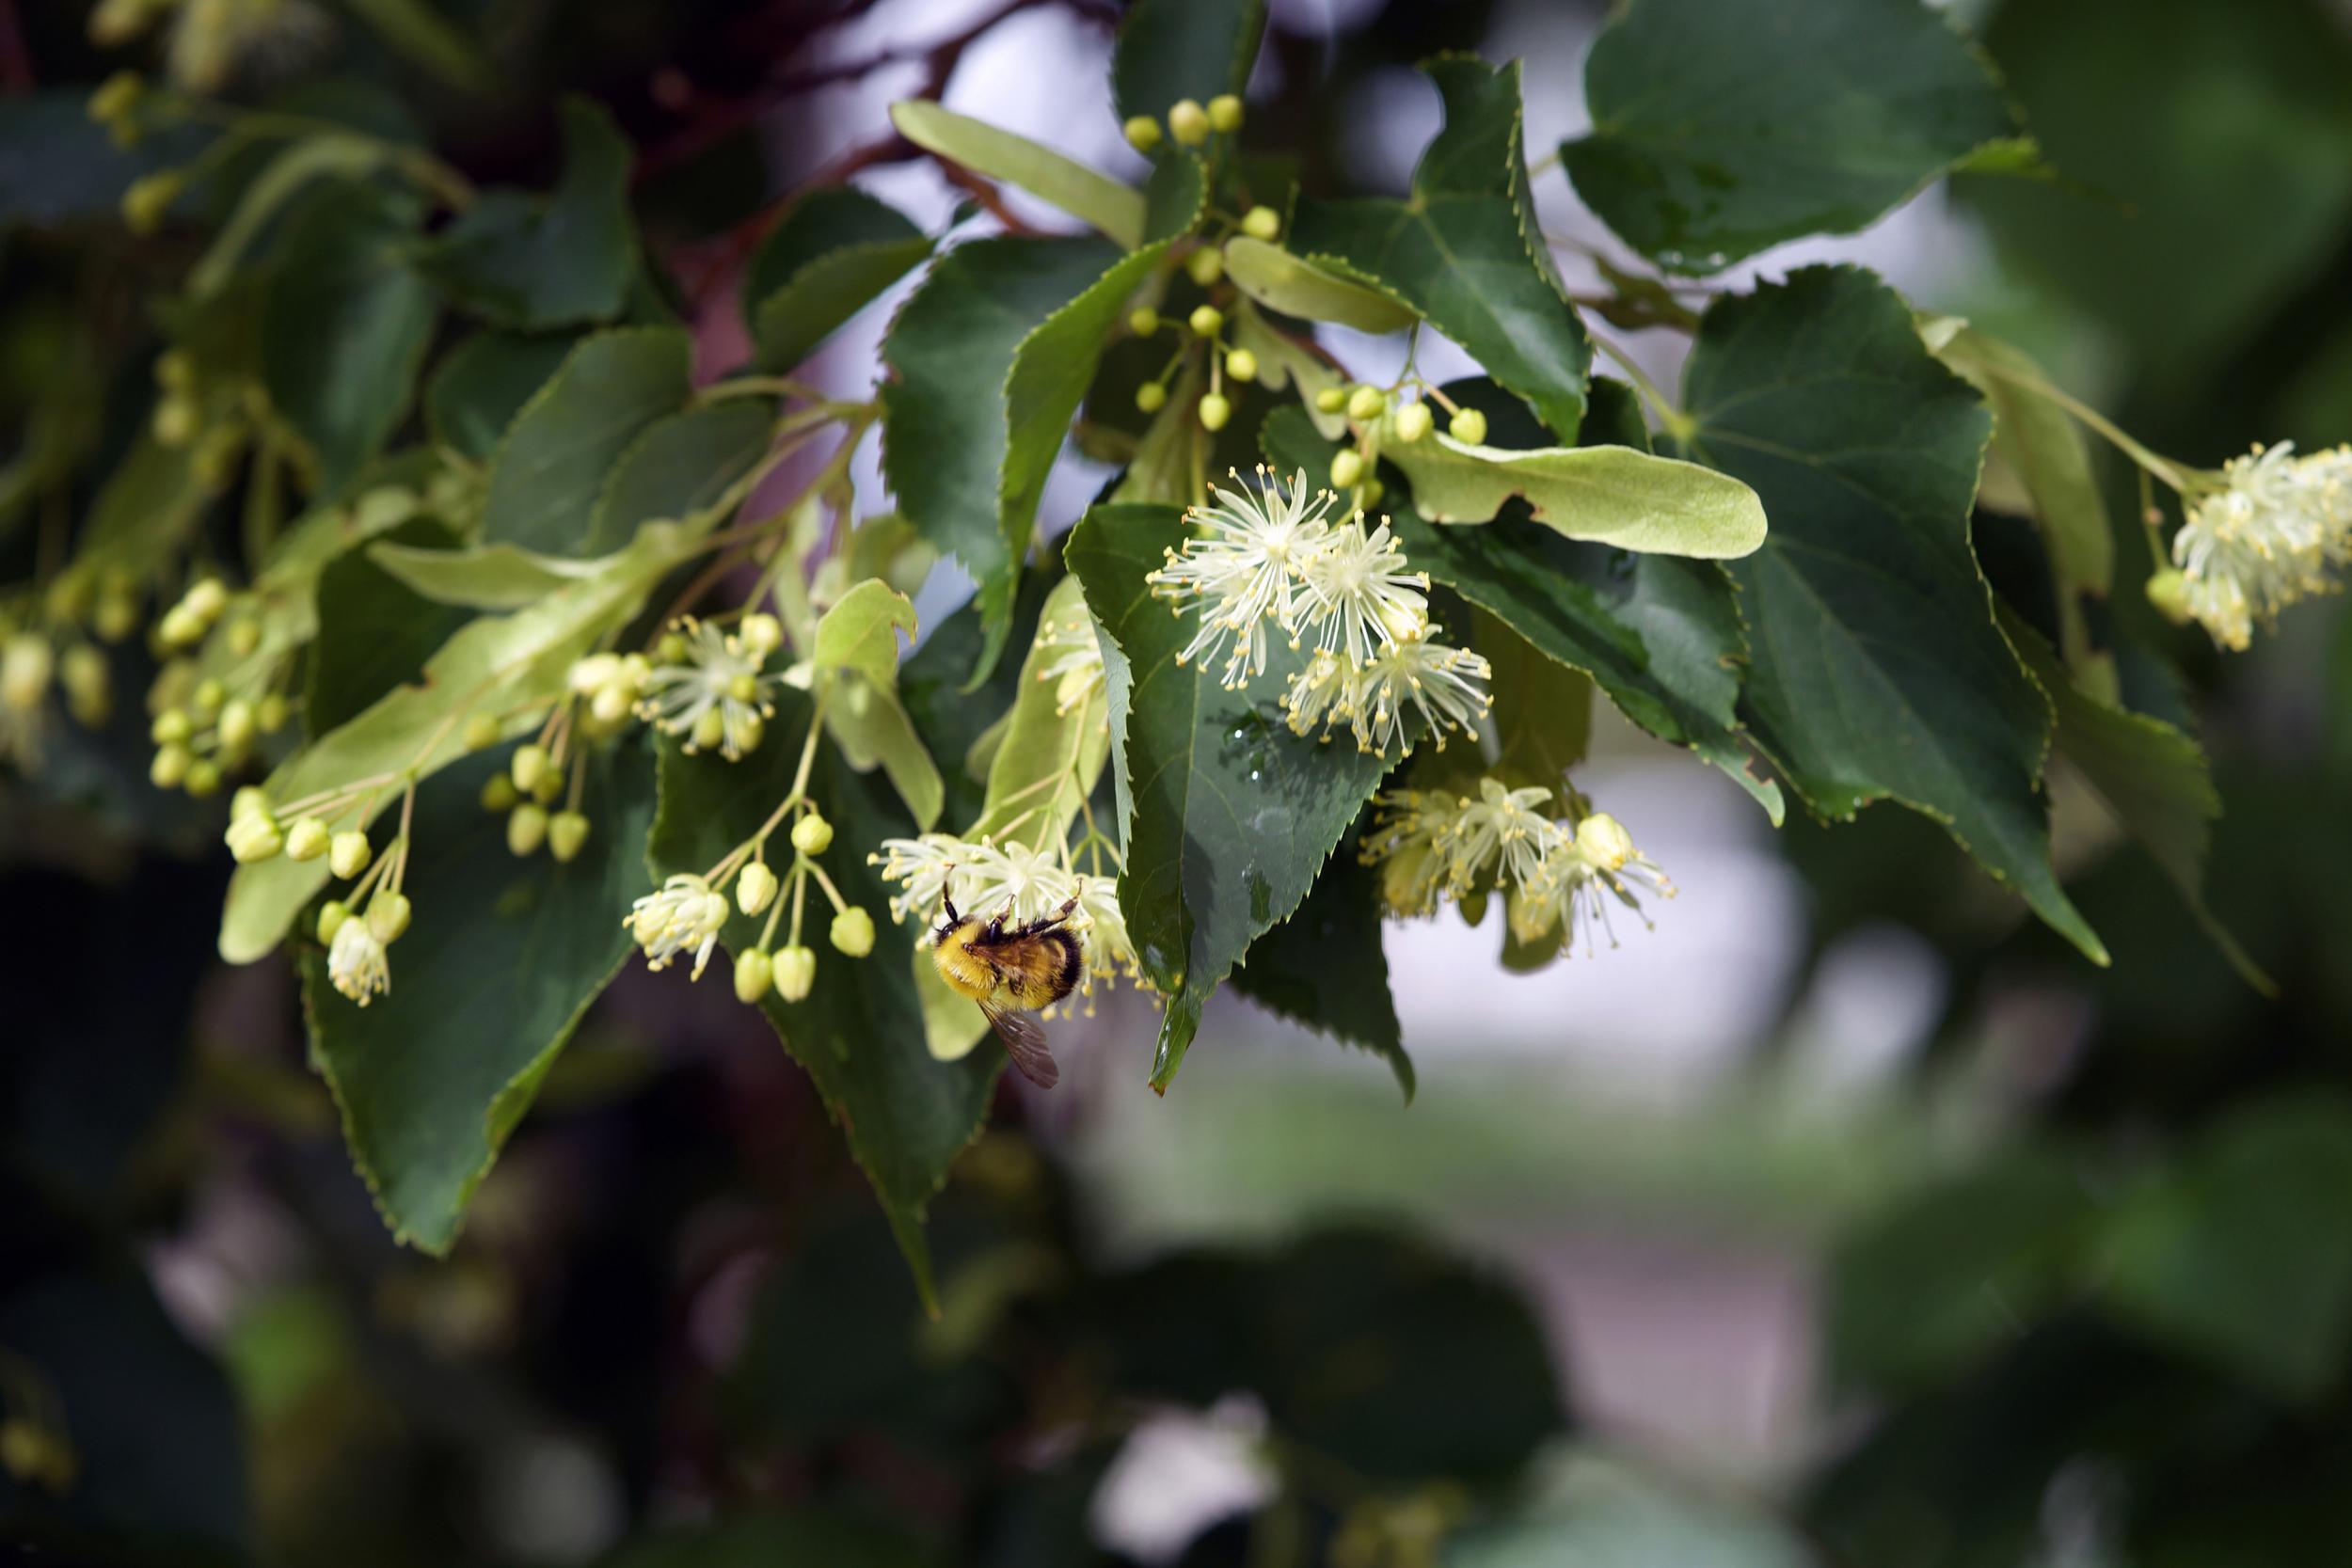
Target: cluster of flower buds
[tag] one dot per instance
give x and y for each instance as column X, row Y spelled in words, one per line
column 711, row 688
column 1375, row 415
column 1189, row 122
column 203, row 732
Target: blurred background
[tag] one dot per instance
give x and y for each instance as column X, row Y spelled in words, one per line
column 1847, row 1217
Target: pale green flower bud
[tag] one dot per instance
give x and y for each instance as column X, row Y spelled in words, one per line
column 756, row 888
column 1347, row 468
column 208, row 599
column 762, row 635
column 1214, row 411
column 480, row 731
column 26, row 665
column 1262, row 222
column 596, row 670
column 1468, row 426
column 710, row 730
column 180, row 628
column 1413, row 421
column 1601, row 839
column 853, row 932
column 331, row 917
column 116, row 97
column 530, row 765
column 812, row 834
column 1188, row 122
column 149, row 198
column 244, row 635
column 498, row 794
column 1225, row 112
column 527, row 829
column 671, row 649
column 610, row 708
column 1143, row 132
column 116, row 617
column 1332, row 399
column 174, row 425
column 307, row 839
column 203, row 780
column 208, row 698
column 236, row 724
column 1150, row 397
column 1366, row 403
column 755, row 974
column 743, row 687
column 270, row 714
column 567, row 833
column 2169, row 592
column 1143, row 320
column 795, row 972
column 250, row 801
column 170, row 770
column 254, row 839
column 1242, row 365
column 349, row 852
column 388, row 915
column 171, row 727
column 1205, row 266
column 1206, row 320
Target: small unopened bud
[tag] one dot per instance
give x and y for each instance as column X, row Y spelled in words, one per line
column 756, row 888
column 480, row 730
column 204, row 781
column 116, row 617
column 743, row 687
column 812, row 834
column 1143, row 132
column 307, row 839
column 89, row 683
column 1332, row 399
column 1188, row 122
column 670, row 649
column 116, row 96
column 853, row 932
column 208, row 698
column 254, row 839
column 170, row 770
column 567, row 834
column 1347, row 468
column 1225, row 112
column 1150, row 397
column 149, row 198
column 762, row 635
column 525, row 829
column 498, row 794
column 271, row 713
column 1214, row 411
column 710, row 729
column 1366, row 403
column 1205, row 266
column 244, row 635
column 331, row 917
column 1413, row 421
column 388, row 915
column 530, row 765
column 2169, row 592
column 1206, row 321
column 1468, row 426
column 754, row 975
column 1372, row 491
column 750, row 730
column 1143, row 320
column 180, row 627
column 236, row 724
column 1601, row 839
column 1262, row 222
column 586, row 674
column 348, row 854
column 25, row 664
column 1242, row 365
column 610, row 706
column 171, row 727
column 208, row 598
column 249, row 800
column 795, row 974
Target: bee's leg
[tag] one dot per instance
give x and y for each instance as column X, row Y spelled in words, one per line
column 946, row 904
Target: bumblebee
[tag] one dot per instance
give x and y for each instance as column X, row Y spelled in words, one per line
column 1011, row 972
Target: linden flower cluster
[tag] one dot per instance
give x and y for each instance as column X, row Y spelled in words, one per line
column 1021, row 883
column 2265, row 534
column 713, row 687
column 1273, row 562
column 1558, row 877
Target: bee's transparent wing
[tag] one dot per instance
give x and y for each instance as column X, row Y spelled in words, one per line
column 1025, row 1042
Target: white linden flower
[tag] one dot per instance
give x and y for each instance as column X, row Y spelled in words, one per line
column 1359, row 597
column 356, row 961
column 1075, row 670
column 1244, row 574
column 1442, row 684
column 1509, row 824
column 1407, row 842
column 2264, row 539
column 1014, row 881
column 722, row 677
column 684, row 914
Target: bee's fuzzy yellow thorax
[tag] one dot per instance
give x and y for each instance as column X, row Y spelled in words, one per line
column 965, row 971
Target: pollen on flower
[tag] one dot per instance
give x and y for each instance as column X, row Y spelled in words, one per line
column 2267, row 533
column 356, row 964
column 683, row 914
column 716, row 691
column 989, row 879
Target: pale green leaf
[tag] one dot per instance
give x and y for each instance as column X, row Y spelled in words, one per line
column 1607, row 495
column 1298, row 287
column 1085, row 194
column 552, row 468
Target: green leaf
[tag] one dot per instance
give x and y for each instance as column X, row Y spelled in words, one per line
column 527, row 263
column 1464, row 251
column 1543, row 712
column 494, row 663
column 2151, row 777
column 503, row 956
column 860, row 1032
column 1297, row 287
column 856, row 655
column 1877, row 670
column 1719, row 131
column 488, row 577
column 1323, row 967
column 1609, row 495
column 2040, row 443
column 2236, row 1254
column 950, row 720
column 1283, row 361
column 1173, row 49
column 1085, row 194
column 481, row 385
column 1228, row 817
column 384, row 631
column 681, row 464
column 832, row 253
column 949, row 436
column 330, row 155
column 345, row 326
column 552, row 466
column 1660, row 636
column 1048, row 761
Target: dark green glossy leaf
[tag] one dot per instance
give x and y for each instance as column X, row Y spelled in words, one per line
column 1323, row 967
column 682, row 463
column 503, row 958
column 1227, row 816
column 481, row 385
column 1721, row 128
column 974, row 413
column 860, row 1032
column 1173, row 49
column 1662, row 637
column 1464, row 250
column 1876, row 669
column 526, row 261
column 383, row 630
column 552, row 468
column 832, row 253
column 345, row 326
